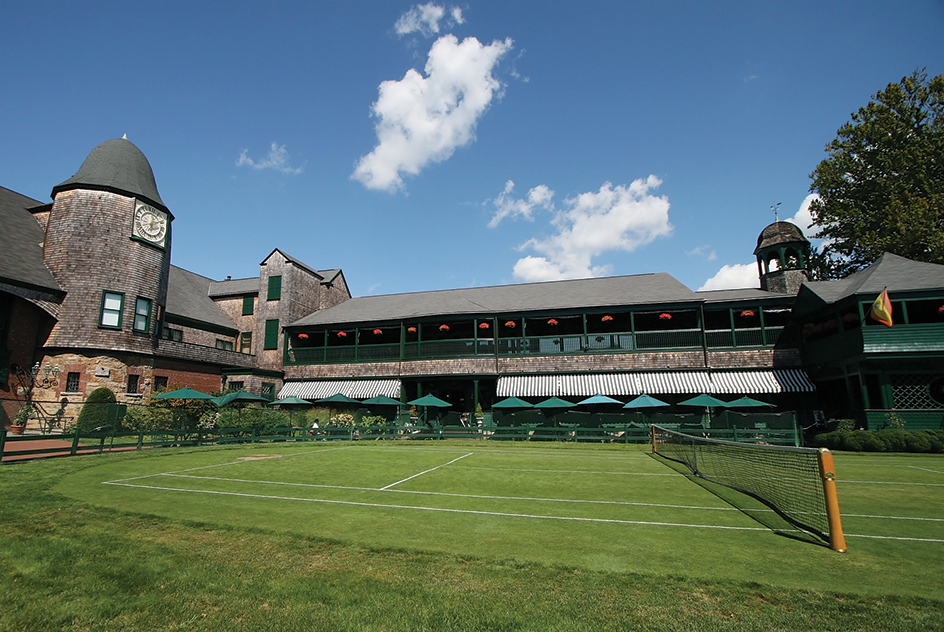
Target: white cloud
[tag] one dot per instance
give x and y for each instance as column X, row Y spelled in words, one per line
column 425, row 18
column 277, row 160
column 703, row 251
column 613, row 218
column 506, row 206
column 804, row 219
column 731, row 277
column 424, row 119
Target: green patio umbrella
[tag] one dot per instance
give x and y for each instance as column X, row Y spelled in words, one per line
column 238, row 396
column 183, row 393
column 290, row 400
column 337, row 398
column 430, row 400
column 554, row 402
column 382, row 400
column 598, row 399
column 512, row 402
column 645, row 401
column 707, row 402
column 748, row 402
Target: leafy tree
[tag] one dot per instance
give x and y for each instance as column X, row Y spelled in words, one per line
column 882, row 186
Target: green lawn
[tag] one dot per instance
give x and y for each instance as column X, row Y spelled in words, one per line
column 451, row 535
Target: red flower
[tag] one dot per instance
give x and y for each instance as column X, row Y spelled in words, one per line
column 606, row 318
column 483, row 325
column 303, row 336
column 940, row 310
column 747, row 312
column 444, row 328
column 377, row 332
column 412, row 330
column 552, row 322
column 341, row 334
column 665, row 316
column 510, row 324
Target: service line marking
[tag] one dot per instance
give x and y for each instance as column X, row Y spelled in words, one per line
column 426, row 472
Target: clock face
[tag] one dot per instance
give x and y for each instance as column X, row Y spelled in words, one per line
column 150, row 224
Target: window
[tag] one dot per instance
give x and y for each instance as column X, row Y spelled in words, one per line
column 160, row 383
column 72, row 382
column 275, row 288
column 133, row 383
column 245, row 342
column 236, row 386
column 177, row 335
column 225, row 345
column 110, row 316
column 248, row 304
column 268, row 391
column 271, row 334
column 142, row 316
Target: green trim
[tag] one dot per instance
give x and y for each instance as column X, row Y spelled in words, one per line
column 249, row 304
column 255, row 372
column 271, row 340
column 146, row 314
column 175, row 319
column 120, row 310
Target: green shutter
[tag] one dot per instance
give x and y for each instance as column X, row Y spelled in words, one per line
column 271, row 334
column 248, row 304
column 275, row 288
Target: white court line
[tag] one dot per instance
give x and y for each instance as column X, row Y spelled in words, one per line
column 476, row 496
column 845, row 482
column 426, row 472
column 890, row 537
column 924, row 469
column 441, row 509
column 515, row 469
column 206, row 467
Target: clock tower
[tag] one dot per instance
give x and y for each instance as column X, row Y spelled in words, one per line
column 107, row 244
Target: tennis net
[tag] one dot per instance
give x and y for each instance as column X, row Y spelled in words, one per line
column 796, row 483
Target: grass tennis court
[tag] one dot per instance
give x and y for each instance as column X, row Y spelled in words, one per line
column 559, row 522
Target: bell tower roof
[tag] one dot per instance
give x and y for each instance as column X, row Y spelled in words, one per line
column 117, row 166
column 780, row 233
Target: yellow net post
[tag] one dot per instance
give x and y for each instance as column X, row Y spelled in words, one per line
column 827, row 472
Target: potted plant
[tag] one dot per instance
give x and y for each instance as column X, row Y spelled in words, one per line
column 22, row 417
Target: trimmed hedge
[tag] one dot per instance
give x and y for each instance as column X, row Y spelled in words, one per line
column 94, row 413
column 887, row 440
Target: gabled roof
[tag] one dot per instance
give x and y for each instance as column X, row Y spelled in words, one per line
column 889, row 271
column 234, row 287
column 741, row 295
column 294, row 261
column 21, row 251
column 188, row 297
column 120, row 167
column 643, row 289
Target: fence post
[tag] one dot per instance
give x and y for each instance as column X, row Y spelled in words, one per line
column 75, row 442
column 3, row 441
column 140, row 439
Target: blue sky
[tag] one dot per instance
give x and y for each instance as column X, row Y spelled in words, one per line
column 433, row 146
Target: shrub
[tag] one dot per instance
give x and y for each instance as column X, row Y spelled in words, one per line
column 149, row 419
column 887, row 440
column 95, row 412
column 252, row 418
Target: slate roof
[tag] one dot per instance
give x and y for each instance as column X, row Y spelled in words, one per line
column 21, row 255
column 188, row 296
column 643, row 289
column 117, row 166
column 234, row 287
column 889, row 271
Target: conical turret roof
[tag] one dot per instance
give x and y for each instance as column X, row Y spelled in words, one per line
column 120, row 167
column 780, row 233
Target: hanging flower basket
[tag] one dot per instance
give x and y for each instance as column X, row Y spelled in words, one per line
column 510, row 324
column 444, row 328
column 412, row 330
column 940, row 310
column 552, row 322
column 665, row 316
column 606, row 318
column 483, row 325
column 747, row 312
column 377, row 332
column 303, row 336
column 342, row 334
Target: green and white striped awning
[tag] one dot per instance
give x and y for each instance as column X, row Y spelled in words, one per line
column 664, row 382
column 355, row 389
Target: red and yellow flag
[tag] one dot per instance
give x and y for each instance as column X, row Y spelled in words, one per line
column 882, row 309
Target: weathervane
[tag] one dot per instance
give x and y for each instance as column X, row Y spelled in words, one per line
column 775, row 208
